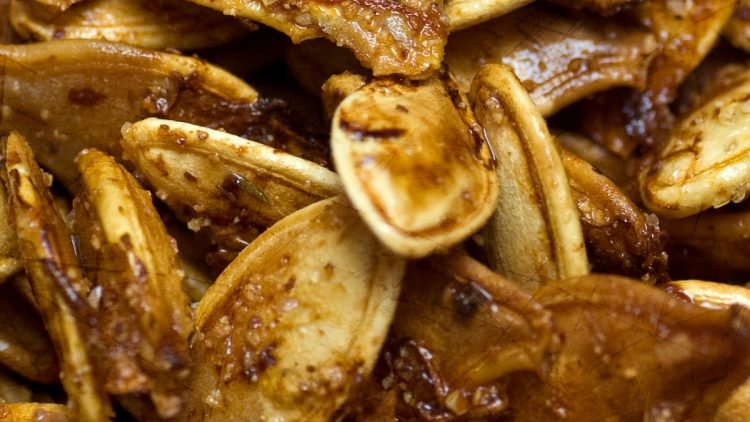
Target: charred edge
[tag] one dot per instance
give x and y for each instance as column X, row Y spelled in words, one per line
column 360, row 134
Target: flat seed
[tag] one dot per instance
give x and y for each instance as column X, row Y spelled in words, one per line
column 535, row 234
column 420, row 187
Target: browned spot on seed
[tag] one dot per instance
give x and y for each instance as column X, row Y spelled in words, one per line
column 85, row 97
column 361, row 133
column 742, row 13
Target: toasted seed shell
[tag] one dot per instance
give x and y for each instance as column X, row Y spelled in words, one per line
column 68, row 95
column 156, row 24
column 453, row 303
column 43, row 412
column 558, row 57
column 705, row 162
column 420, row 187
column 26, row 345
column 620, row 237
column 129, row 255
column 465, row 13
column 295, row 320
column 56, row 280
column 632, row 352
column 232, row 186
column 404, row 37
column 535, row 233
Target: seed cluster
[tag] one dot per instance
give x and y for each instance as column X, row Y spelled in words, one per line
column 374, row 210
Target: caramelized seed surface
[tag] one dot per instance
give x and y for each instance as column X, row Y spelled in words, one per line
column 414, row 164
column 534, row 234
column 296, row 321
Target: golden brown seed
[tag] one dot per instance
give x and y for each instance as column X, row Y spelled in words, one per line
column 156, row 24
column 451, row 303
column 687, row 31
column 628, row 339
column 130, row 258
column 535, row 233
column 295, row 321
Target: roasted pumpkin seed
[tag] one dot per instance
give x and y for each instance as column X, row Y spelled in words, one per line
column 52, row 95
column 292, row 324
column 58, row 284
column 559, row 58
column 232, row 187
column 157, row 24
column 420, row 188
column 535, row 233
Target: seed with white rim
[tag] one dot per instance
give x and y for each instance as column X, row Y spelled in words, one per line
column 535, row 234
column 420, row 187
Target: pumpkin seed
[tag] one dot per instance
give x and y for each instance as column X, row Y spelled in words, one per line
column 55, row 98
column 535, row 233
column 292, row 324
column 157, row 24
column 231, row 186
